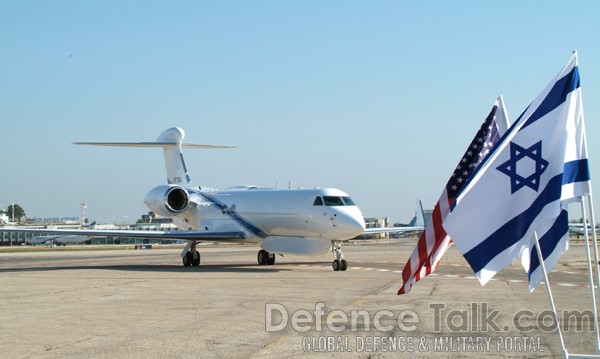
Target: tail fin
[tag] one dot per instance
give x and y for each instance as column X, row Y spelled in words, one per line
column 420, row 215
column 171, row 141
column 419, row 218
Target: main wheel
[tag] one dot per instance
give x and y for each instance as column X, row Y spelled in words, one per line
column 187, row 259
column 262, row 257
column 196, row 259
column 271, row 259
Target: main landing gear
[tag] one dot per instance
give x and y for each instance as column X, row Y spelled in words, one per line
column 339, row 263
column 265, row 258
column 190, row 256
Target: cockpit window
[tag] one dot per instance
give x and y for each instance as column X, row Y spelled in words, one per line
column 348, row 201
column 333, row 201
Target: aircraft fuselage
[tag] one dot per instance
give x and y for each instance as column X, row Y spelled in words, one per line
column 321, row 213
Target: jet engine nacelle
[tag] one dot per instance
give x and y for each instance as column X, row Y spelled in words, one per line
column 167, row 200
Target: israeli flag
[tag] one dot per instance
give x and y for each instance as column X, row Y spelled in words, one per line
column 554, row 237
column 554, row 242
column 520, row 187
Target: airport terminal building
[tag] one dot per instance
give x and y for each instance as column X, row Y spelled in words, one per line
column 148, row 222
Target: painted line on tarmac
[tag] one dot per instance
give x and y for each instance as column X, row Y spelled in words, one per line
column 454, row 276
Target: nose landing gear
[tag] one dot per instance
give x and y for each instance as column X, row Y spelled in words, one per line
column 339, row 263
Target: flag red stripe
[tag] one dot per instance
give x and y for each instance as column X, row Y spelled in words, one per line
column 427, row 246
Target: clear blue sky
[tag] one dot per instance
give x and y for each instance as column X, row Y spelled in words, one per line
column 377, row 98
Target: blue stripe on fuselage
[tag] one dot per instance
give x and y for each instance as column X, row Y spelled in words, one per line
column 244, row 223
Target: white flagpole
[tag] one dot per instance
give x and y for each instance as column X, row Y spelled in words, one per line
column 594, row 240
column 550, row 297
column 591, row 277
column 595, row 244
column 589, row 265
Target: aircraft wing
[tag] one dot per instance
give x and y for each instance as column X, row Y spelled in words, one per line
column 40, row 239
column 45, row 238
column 581, row 230
column 392, row 230
column 163, row 235
column 416, row 224
column 576, row 230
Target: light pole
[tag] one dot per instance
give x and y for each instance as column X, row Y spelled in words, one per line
column 83, row 207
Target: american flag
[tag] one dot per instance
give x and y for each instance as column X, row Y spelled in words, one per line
column 434, row 241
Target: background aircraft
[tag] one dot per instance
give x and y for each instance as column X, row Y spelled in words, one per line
column 578, row 228
column 60, row 239
column 306, row 221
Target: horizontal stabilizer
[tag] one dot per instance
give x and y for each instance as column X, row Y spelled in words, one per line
column 171, row 142
column 151, row 144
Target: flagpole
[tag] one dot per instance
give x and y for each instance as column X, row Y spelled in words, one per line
column 550, row 297
column 590, row 270
column 595, row 244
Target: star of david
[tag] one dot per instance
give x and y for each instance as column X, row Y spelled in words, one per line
column 518, row 153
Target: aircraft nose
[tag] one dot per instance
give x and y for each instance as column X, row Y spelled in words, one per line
column 350, row 224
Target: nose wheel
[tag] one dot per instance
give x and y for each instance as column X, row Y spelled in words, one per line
column 339, row 263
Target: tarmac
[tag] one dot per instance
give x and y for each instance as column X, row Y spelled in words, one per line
column 145, row 304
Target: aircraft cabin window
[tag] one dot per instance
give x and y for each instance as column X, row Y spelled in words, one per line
column 318, row 202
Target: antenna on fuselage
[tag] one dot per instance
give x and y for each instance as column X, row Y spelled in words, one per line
column 171, row 141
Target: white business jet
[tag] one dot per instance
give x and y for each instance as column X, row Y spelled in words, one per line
column 307, row 221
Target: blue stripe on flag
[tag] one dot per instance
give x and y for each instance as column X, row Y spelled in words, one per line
column 556, row 96
column 513, row 230
column 576, row 171
column 550, row 240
